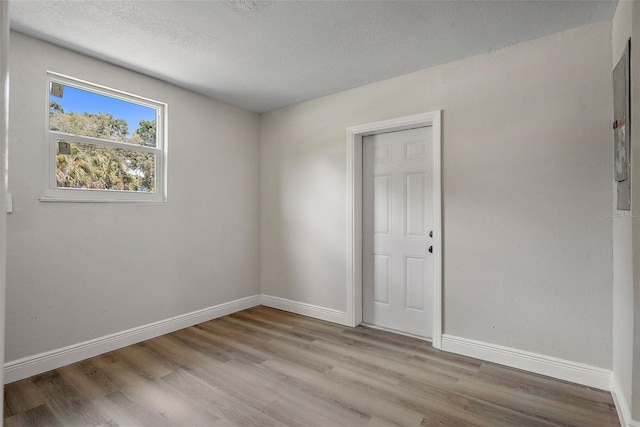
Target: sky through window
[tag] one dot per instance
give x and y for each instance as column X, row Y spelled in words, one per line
column 79, row 101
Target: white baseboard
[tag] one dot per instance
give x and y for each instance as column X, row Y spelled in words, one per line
column 538, row 363
column 622, row 406
column 322, row 313
column 43, row 362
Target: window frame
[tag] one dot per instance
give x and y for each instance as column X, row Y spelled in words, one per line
column 62, row 194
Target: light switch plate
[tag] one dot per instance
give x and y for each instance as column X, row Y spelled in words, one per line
column 9, row 203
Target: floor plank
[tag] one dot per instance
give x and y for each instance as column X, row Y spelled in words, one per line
column 265, row 367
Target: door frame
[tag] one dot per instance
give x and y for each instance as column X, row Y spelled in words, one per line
column 4, row 136
column 354, row 211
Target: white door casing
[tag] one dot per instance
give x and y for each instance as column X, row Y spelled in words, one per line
column 397, row 213
column 354, row 248
column 4, row 124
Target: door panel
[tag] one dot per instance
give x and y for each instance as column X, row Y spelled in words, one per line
column 382, row 282
column 397, row 218
column 415, row 272
column 415, row 209
column 382, row 205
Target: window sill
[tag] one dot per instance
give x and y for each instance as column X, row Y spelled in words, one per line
column 69, row 200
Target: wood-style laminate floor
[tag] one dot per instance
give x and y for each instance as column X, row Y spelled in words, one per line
column 264, row 367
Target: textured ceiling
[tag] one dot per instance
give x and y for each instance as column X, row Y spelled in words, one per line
column 262, row 55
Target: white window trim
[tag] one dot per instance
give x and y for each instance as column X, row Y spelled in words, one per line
column 52, row 193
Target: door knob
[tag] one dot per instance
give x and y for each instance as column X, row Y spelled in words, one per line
column 431, row 233
column 430, row 249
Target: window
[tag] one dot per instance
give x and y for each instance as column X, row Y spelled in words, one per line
column 103, row 145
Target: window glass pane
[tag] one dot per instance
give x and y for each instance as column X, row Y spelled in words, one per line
column 84, row 113
column 91, row 166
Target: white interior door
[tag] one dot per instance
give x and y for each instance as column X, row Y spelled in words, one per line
column 398, row 201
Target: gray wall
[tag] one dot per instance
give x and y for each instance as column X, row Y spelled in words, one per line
column 527, row 187
column 78, row 271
